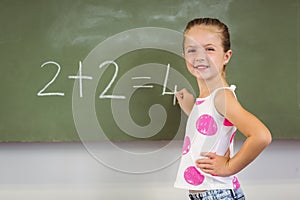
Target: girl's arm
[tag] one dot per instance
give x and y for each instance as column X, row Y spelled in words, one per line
column 186, row 101
column 258, row 137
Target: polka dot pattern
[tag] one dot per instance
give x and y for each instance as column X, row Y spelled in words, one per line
column 193, row 176
column 227, row 122
column 198, row 102
column 236, row 184
column 206, row 125
column 232, row 136
column 186, row 145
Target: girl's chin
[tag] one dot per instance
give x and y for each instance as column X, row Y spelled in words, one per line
column 196, row 74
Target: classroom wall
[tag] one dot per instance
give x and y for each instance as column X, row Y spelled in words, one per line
column 48, row 171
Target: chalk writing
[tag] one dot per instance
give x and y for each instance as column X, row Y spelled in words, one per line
column 142, row 86
column 165, row 86
column 42, row 91
column 103, row 94
column 80, row 77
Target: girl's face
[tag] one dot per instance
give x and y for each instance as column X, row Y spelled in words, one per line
column 204, row 54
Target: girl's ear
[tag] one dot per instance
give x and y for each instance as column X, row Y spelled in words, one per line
column 227, row 56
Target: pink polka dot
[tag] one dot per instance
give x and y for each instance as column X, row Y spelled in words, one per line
column 198, row 102
column 227, row 122
column 186, row 145
column 232, row 136
column 236, row 184
column 206, row 125
column 193, row 176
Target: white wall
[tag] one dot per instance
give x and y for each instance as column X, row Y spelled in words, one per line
column 67, row 171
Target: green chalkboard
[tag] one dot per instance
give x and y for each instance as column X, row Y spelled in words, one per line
column 43, row 44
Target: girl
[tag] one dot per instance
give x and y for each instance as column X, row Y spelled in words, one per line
column 208, row 167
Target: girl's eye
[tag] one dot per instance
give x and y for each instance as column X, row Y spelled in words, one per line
column 191, row 50
column 210, row 49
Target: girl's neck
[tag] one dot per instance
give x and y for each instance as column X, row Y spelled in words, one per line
column 206, row 87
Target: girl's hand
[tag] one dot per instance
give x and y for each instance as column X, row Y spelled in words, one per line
column 214, row 164
column 186, row 100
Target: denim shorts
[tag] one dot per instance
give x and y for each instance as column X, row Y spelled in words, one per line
column 226, row 194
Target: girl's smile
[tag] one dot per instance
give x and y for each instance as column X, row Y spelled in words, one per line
column 201, row 67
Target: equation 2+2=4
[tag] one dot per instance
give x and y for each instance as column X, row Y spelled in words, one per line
column 80, row 77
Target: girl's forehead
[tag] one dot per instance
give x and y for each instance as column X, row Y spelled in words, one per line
column 203, row 35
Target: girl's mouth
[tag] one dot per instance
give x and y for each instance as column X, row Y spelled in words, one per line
column 201, row 67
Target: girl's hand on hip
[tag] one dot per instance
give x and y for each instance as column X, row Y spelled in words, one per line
column 214, row 164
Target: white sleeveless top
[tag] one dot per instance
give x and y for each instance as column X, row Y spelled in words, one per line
column 206, row 131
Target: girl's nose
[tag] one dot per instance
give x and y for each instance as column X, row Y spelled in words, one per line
column 200, row 58
column 201, row 55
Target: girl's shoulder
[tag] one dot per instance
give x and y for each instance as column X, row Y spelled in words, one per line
column 225, row 98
